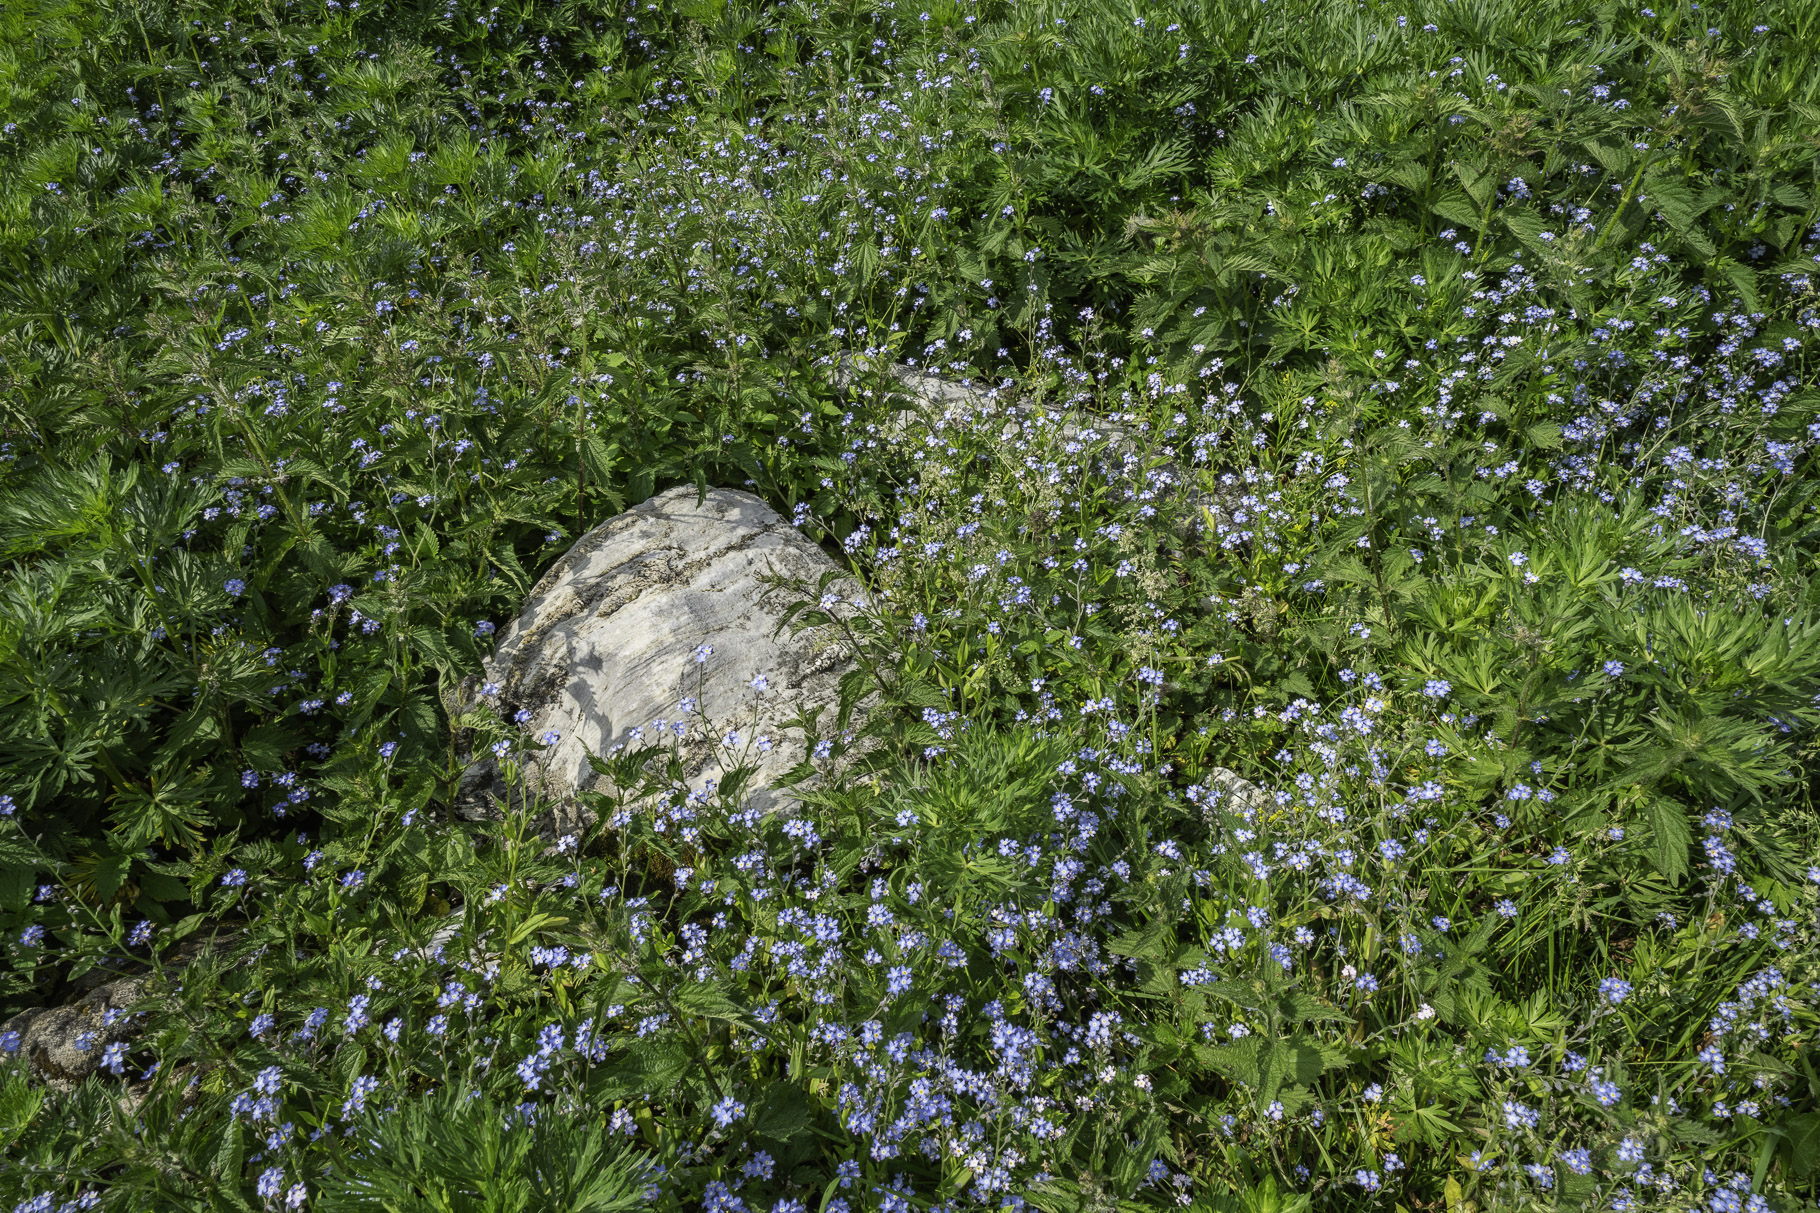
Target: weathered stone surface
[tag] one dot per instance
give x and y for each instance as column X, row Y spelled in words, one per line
column 607, row 643
column 1225, row 790
column 912, row 393
column 64, row 1044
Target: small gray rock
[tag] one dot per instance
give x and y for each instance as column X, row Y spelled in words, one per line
column 1228, row 790
column 64, row 1045
column 608, row 641
column 912, row 393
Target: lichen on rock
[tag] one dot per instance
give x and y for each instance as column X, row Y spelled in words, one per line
column 664, row 615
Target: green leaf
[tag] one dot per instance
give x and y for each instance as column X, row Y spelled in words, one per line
column 1801, row 1144
column 422, row 724
column 1741, row 279
column 1411, row 175
column 228, row 1155
column 1612, row 153
column 1154, row 941
column 784, row 1113
column 264, row 745
column 640, row 484
column 1455, row 207
column 708, row 1001
column 1545, row 435
column 19, row 1104
column 1481, row 185
column 18, row 872
column 110, row 871
column 1669, row 836
column 601, row 462
column 1673, row 199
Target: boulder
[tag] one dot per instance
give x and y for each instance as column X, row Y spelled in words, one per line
column 660, row 616
column 65, row 1044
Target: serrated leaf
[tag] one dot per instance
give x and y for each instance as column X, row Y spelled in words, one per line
column 1672, row 199
column 708, row 1001
column 1152, row 942
column 1801, row 1144
column 1612, row 153
column 1411, row 175
column 784, row 1113
column 1455, row 207
column 421, row 722
column 1544, row 434
column 1479, row 182
column 601, row 461
column 1669, row 836
column 1238, row 1061
column 1741, row 279
column 227, row 1162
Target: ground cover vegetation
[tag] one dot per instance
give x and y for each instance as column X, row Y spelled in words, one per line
column 1485, row 331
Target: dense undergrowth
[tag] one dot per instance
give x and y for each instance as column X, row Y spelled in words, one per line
column 1405, row 406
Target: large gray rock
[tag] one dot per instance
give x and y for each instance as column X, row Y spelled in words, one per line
column 66, row 1044
column 607, row 646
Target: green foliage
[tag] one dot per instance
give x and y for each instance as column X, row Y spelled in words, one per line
column 1410, row 410
column 453, row 1152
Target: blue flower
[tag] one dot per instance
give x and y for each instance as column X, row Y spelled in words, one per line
column 356, row 1103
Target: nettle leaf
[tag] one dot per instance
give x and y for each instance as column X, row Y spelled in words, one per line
column 1241, row 1060
column 709, row 1001
column 1669, row 836
column 1480, row 183
column 1155, row 942
column 1610, row 152
column 784, row 1113
column 1801, row 1144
